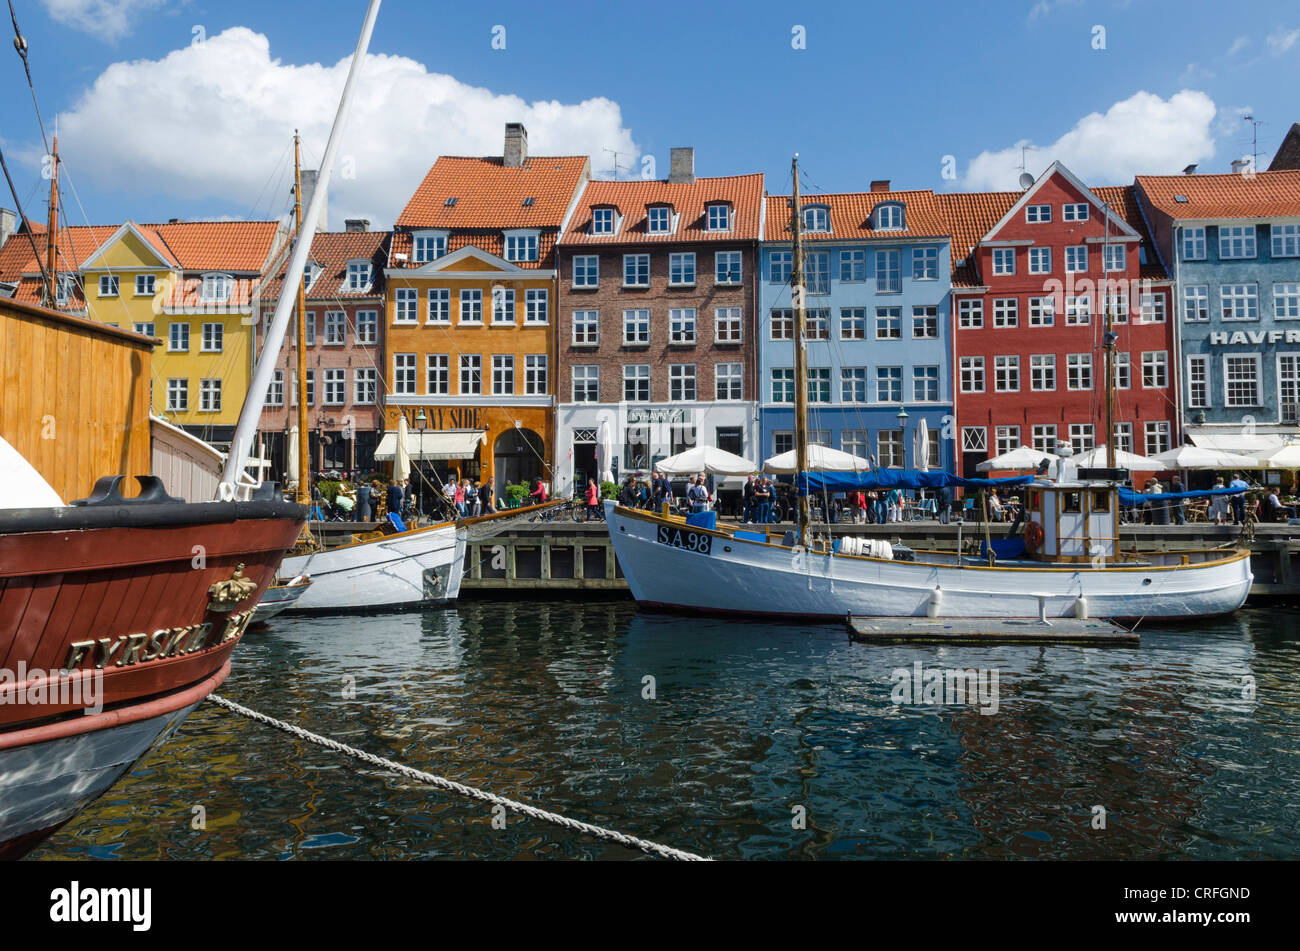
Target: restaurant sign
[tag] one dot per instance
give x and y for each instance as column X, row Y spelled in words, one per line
column 1252, row 338
column 455, row 417
column 659, row 416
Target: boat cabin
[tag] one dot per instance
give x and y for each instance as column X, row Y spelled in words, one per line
column 1072, row 521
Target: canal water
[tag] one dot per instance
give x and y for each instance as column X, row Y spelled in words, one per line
column 729, row 738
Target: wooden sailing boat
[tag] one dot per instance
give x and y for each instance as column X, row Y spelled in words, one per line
column 1069, row 563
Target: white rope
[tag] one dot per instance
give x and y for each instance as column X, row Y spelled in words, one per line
column 608, row 835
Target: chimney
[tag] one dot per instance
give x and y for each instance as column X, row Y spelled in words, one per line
column 8, row 224
column 173, row 221
column 880, row 185
column 681, row 166
column 356, row 224
column 309, row 177
column 1190, row 170
column 516, row 153
column 1240, row 165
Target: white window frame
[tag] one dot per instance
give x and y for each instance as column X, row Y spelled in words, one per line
column 437, row 374
column 681, row 269
column 586, row 266
column 729, row 325
column 1237, row 242
column 637, row 264
column 636, row 327
column 439, row 306
column 728, row 268
column 424, row 242
column 471, row 300
column 589, row 321
column 1257, row 360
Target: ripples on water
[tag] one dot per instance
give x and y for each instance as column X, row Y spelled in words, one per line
column 543, row 702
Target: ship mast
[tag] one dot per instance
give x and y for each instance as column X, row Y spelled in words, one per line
column 1109, row 338
column 52, row 232
column 304, row 447
column 798, row 290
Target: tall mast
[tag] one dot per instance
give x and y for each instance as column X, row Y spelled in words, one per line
column 52, row 233
column 797, row 293
column 304, row 447
column 1108, row 344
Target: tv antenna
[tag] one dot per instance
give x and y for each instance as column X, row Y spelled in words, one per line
column 616, row 154
column 1254, row 139
column 1026, row 177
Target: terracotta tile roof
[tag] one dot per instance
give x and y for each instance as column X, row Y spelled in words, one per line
column 1288, row 153
column 333, row 250
column 490, row 195
column 633, row 198
column 851, row 215
column 491, row 241
column 1266, row 195
column 1123, row 200
column 970, row 216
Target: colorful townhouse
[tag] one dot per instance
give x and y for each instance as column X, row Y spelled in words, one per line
column 1033, row 274
column 879, row 342
column 657, row 322
column 1232, row 244
column 470, row 309
column 344, row 287
column 194, row 284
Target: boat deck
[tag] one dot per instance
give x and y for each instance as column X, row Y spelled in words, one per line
column 948, row 630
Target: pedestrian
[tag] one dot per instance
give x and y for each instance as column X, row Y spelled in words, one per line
column 1176, row 507
column 1218, row 510
column 628, row 496
column 697, row 495
column 945, row 504
column 395, row 499
column 593, row 500
column 1238, row 500
column 487, row 496
column 747, row 495
column 540, row 493
column 458, row 497
column 763, row 500
column 661, row 489
column 895, row 505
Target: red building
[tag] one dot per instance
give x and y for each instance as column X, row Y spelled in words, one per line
column 1033, row 272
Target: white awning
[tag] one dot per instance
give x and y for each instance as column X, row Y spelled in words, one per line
column 1252, row 444
column 443, row 444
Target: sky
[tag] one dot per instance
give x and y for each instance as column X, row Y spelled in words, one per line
column 185, row 108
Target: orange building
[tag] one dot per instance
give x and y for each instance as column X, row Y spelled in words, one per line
column 470, row 314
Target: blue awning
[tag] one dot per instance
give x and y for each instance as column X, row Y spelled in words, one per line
column 1129, row 497
column 896, row 479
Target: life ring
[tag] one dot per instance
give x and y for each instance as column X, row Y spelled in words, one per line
column 1033, row 537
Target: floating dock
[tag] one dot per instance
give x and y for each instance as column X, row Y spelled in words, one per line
column 974, row 630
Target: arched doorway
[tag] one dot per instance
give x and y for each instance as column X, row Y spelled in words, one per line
column 518, row 456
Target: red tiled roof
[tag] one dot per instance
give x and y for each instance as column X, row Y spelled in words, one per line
column 970, row 216
column 332, row 251
column 491, row 241
column 851, row 215
column 490, row 195
column 688, row 199
column 1263, row 195
column 1123, row 199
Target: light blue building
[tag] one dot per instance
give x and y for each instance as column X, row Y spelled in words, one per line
column 879, row 332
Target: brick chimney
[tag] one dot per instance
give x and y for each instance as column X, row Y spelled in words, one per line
column 681, row 166
column 309, row 177
column 516, row 153
column 356, row 224
column 8, row 224
column 880, row 185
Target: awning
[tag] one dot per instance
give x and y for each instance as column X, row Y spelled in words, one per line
column 443, row 444
column 1256, row 444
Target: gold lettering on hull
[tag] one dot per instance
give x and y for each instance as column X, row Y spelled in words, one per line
column 128, row 650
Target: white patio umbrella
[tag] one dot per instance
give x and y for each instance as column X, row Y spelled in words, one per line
column 1288, row 457
column 1016, row 460
column 708, row 459
column 820, row 459
column 1194, row 457
column 291, row 472
column 402, row 454
column 604, row 451
column 921, row 446
column 1096, row 458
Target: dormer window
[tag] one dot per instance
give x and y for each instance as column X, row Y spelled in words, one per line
column 603, row 220
column 521, row 245
column 310, row 272
column 889, row 217
column 64, row 287
column 428, row 246
column 358, row 279
column 216, row 288
column 719, row 217
column 817, row 218
column 659, row 219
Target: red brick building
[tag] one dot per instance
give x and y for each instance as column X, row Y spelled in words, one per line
column 1032, row 274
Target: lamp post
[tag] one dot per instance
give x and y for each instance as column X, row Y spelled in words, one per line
column 421, row 422
column 902, row 434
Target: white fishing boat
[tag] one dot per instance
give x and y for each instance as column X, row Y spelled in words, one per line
column 280, row 596
column 1068, row 563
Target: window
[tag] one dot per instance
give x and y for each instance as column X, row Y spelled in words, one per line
column 275, row 391
column 471, row 306
column 682, row 438
column 503, row 305
column 854, row 442
column 602, row 220
column 437, row 374
column 367, row 326
column 439, row 306
column 727, row 324
column 1157, row 437
column 358, row 279
column 336, row 328
column 818, row 276
column 1078, row 310
column 819, row 384
column 1082, row 437
column 1042, row 371
column 889, row 447
column 1155, row 369
column 780, row 264
column 925, row 264
column 1006, row 312
column 889, row 217
column 1044, row 437
column 726, row 267
column 535, row 374
column 310, row 271
column 1123, row 370
column 782, row 385
column 1198, row 382
column 1241, row 381
column 817, row 218
column 108, row 285
column 503, row 375
column 178, row 338
column 1076, row 258
column 974, row 439
column 659, row 219
column 1151, row 308
column 719, row 217
column 782, row 325
column 1004, row 260
column 428, row 247
column 1286, row 241
column 1123, row 440
column 309, row 328
column 681, row 325
column 889, row 323
column 1042, row 311
column 853, row 384
column 147, row 329
column 636, row 328
column 1116, row 304
column 586, row 328
column 1194, row 244
column 1196, row 302
column 537, row 306
column 65, row 289
column 728, row 383
column 1006, row 374
column 888, row 279
column 1040, row 259
column 889, row 384
column 403, row 374
column 210, row 396
column 1288, row 387
column 636, row 383
column 1038, row 214
column 336, row 387
column 1078, row 371
column 972, row 374
column 1075, row 212
column 925, row 384
column 1112, row 257
column 213, row 338
column 853, row 266
column 817, row 324
column 853, row 324
column 365, row 386
column 1008, row 438
column 586, row 384
column 970, row 313
column 681, row 268
column 178, row 396
column 310, row 388
column 586, row 270
column 216, row 288
column 404, row 303
column 1240, row 301
column 925, row 323
column 636, row 270
column 144, row 285
column 1286, row 301
column 681, row 382
column 1236, row 241
column 471, row 374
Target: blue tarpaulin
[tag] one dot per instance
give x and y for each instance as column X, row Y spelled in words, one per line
column 896, row 479
column 1128, row 497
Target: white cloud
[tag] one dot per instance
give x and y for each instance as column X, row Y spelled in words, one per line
column 1044, row 8
column 1140, row 135
column 1239, row 44
column 211, row 121
column 1283, row 40
column 108, row 19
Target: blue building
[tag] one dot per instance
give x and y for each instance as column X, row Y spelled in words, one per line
column 879, row 329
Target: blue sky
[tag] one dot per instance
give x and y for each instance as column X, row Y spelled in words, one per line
column 155, row 127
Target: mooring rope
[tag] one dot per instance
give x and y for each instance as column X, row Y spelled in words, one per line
column 608, row 835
